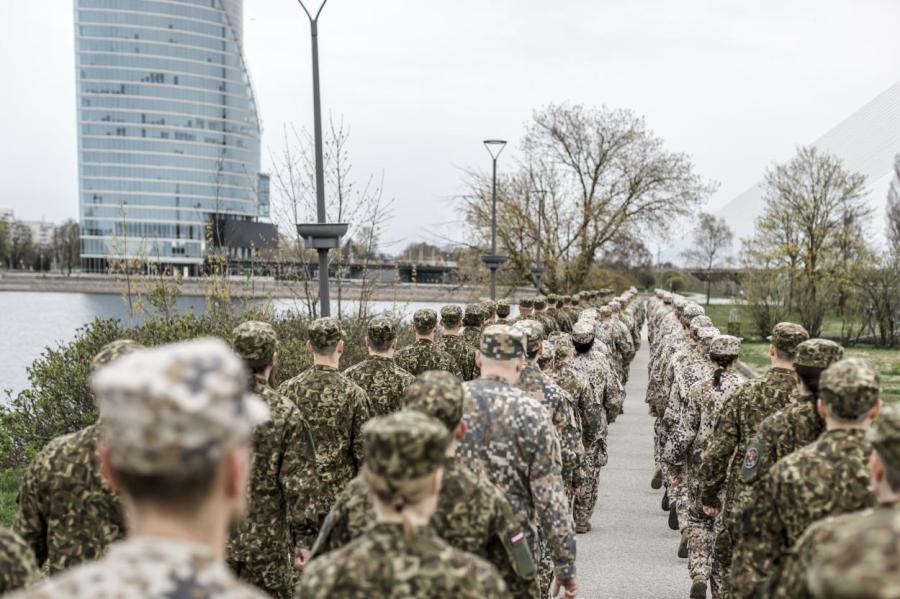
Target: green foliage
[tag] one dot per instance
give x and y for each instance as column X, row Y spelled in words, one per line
column 677, row 281
column 9, row 488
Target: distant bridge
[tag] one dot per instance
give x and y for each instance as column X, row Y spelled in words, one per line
column 400, row 271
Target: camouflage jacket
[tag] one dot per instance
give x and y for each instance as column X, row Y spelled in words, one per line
column 623, row 341
column 561, row 408
column 591, row 414
column 472, row 515
column 463, row 353
column 17, row 565
column 686, row 369
column 383, row 381
column 472, row 337
column 425, row 355
column 387, row 561
column 67, row 513
column 510, row 438
column 593, row 369
column 736, row 426
column 147, row 566
column 547, row 321
column 284, row 472
column 336, row 409
column 826, row 478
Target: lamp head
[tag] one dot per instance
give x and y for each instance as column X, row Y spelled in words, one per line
column 494, row 147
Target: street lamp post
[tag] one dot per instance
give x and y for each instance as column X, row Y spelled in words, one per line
column 493, row 261
column 321, row 235
column 538, row 270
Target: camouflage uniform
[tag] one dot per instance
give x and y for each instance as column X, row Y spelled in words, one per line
column 284, row 472
column 455, row 344
column 379, row 376
column 510, row 439
column 540, row 314
column 395, row 559
column 503, row 310
column 425, row 354
column 67, row 513
column 176, row 409
column 17, row 565
column 336, row 409
column 474, row 322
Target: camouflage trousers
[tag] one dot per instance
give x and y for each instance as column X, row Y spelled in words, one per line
column 545, row 567
column 586, row 498
column 721, row 564
column 699, row 531
column 270, row 577
column 659, row 441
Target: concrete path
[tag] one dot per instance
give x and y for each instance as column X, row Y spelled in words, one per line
column 631, row 553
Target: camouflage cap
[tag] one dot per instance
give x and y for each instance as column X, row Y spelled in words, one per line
column 325, row 332
column 818, row 353
column 692, row 310
column 850, row 388
column 474, row 315
column 254, row 341
column 502, row 342
column 381, row 330
column 405, row 445
column 451, row 315
column 604, row 312
column 175, row 408
column 548, row 352
column 705, row 337
column 562, row 346
column 701, row 321
column 533, row 331
column 786, row 336
column 490, row 307
column 582, row 332
column 615, row 305
column 438, row 394
column 425, row 319
column 540, row 302
column 725, row 345
column 503, row 308
column 667, row 299
column 526, row 302
column 884, row 434
column 113, row 351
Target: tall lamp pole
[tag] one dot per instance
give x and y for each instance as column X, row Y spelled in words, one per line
column 321, row 236
column 538, row 270
column 493, row 261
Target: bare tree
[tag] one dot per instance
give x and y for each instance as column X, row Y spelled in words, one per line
column 67, row 245
column 712, row 242
column 893, row 210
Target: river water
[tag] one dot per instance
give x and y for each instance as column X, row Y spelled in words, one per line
column 31, row 321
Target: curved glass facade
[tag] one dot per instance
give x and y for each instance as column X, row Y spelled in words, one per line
column 168, row 132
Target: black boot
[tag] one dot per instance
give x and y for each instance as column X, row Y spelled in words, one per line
column 673, row 516
column 656, row 483
column 665, row 501
column 682, row 547
column 698, row 589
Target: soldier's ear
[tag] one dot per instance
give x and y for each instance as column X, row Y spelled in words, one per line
column 478, row 358
column 875, row 411
column 394, row 343
column 106, row 469
column 340, row 347
column 461, row 429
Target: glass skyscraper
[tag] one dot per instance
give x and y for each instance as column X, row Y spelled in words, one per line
column 168, row 132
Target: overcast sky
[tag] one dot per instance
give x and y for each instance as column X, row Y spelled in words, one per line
column 735, row 84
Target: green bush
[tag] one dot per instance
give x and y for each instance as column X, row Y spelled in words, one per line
column 9, row 488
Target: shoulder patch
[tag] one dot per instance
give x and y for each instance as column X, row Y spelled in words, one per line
column 752, row 457
column 520, row 555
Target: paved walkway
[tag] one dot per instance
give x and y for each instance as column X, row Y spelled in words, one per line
column 630, row 553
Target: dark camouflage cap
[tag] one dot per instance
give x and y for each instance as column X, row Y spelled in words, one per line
column 438, row 394
column 540, row 302
column 405, row 445
column 502, row 342
column 533, row 331
column 254, row 341
column 490, row 307
column 818, row 353
column 474, row 315
column 583, row 332
column 177, row 407
column 381, row 330
column 526, row 302
column 884, row 434
column 503, row 308
column 451, row 315
column 425, row 319
column 563, row 348
column 786, row 336
column 850, row 388
column 113, row 351
column 325, row 332
column 725, row 345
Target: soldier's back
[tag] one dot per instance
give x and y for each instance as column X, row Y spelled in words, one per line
column 17, row 565
column 383, row 381
column 424, row 355
column 462, row 353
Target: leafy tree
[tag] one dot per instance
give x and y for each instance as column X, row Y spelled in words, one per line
column 21, row 247
column 66, row 246
column 712, row 242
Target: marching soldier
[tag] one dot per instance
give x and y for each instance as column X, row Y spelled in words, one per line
column 454, row 344
column 380, row 377
column 503, row 310
column 473, row 319
column 424, row 354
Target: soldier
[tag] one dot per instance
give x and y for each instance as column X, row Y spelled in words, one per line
column 335, row 408
column 856, row 555
column 735, row 427
column 490, row 310
column 453, row 343
column 380, row 377
column 526, row 308
column 177, row 421
column 474, row 322
column 401, row 555
column 540, row 314
column 424, row 354
column 510, row 438
column 67, row 513
column 276, row 528
column 472, row 514
column 503, row 310
column 17, row 566
column 827, row 477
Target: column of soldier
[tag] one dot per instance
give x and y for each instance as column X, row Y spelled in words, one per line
column 461, row 465
column 783, row 486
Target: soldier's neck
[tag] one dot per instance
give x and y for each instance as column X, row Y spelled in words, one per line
column 332, row 361
column 208, row 527
column 429, row 338
column 378, row 354
column 451, row 332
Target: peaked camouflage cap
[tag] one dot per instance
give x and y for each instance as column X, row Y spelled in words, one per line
column 533, row 331
column 425, row 319
column 438, row 394
column 474, row 315
column 451, row 315
column 615, row 305
column 405, row 445
column 490, row 307
column 850, row 388
column 563, row 347
column 540, row 302
column 698, row 322
column 113, row 351
column 692, row 310
column 667, row 298
column 177, row 407
column 325, row 332
column 503, row 308
column 583, row 332
column 604, row 312
column 705, row 337
column 884, row 434
column 502, row 342
column 547, row 354
column 725, row 345
column 381, row 330
column 818, row 353
column 254, row 341
column 526, row 302
column 786, row 336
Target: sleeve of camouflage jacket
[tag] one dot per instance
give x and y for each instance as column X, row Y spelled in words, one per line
column 768, row 543
column 299, row 477
column 591, row 418
column 571, row 437
column 683, row 434
column 30, row 522
column 17, row 565
column 506, row 550
column 361, row 413
column 717, row 457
